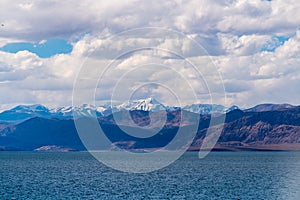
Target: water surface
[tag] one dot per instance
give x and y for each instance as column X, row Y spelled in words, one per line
column 221, row 175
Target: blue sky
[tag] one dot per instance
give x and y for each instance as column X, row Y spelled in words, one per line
column 274, row 43
column 44, row 49
column 255, row 46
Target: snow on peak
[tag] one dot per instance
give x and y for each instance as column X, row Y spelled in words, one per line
column 148, row 104
column 234, row 107
column 83, row 110
column 30, row 108
column 204, row 108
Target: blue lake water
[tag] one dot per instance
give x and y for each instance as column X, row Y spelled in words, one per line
column 221, row 175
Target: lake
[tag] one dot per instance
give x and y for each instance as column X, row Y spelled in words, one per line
column 220, row 175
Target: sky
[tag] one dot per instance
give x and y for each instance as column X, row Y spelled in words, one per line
column 254, row 46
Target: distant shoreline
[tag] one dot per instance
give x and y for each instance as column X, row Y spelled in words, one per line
column 265, row 148
column 273, row 147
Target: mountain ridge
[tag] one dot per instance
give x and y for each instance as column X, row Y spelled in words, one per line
column 24, row 112
column 266, row 130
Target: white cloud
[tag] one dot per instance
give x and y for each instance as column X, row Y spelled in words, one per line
column 243, row 45
column 234, row 32
column 271, row 76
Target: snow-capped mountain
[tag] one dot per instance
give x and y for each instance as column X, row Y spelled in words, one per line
column 24, row 112
column 83, row 110
column 234, row 107
column 204, row 108
column 149, row 104
column 36, row 108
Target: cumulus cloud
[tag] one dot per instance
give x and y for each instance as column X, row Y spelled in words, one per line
column 235, row 33
column 271, row 76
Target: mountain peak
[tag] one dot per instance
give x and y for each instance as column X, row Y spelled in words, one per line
column 31, row 108
column 24, row 112
column 204, row 108
column 269, row 107
column 149, row 100
column 147, row 104
column 234, row 107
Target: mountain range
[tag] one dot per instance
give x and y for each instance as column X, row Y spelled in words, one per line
column 263, row 127
column 24, row 112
